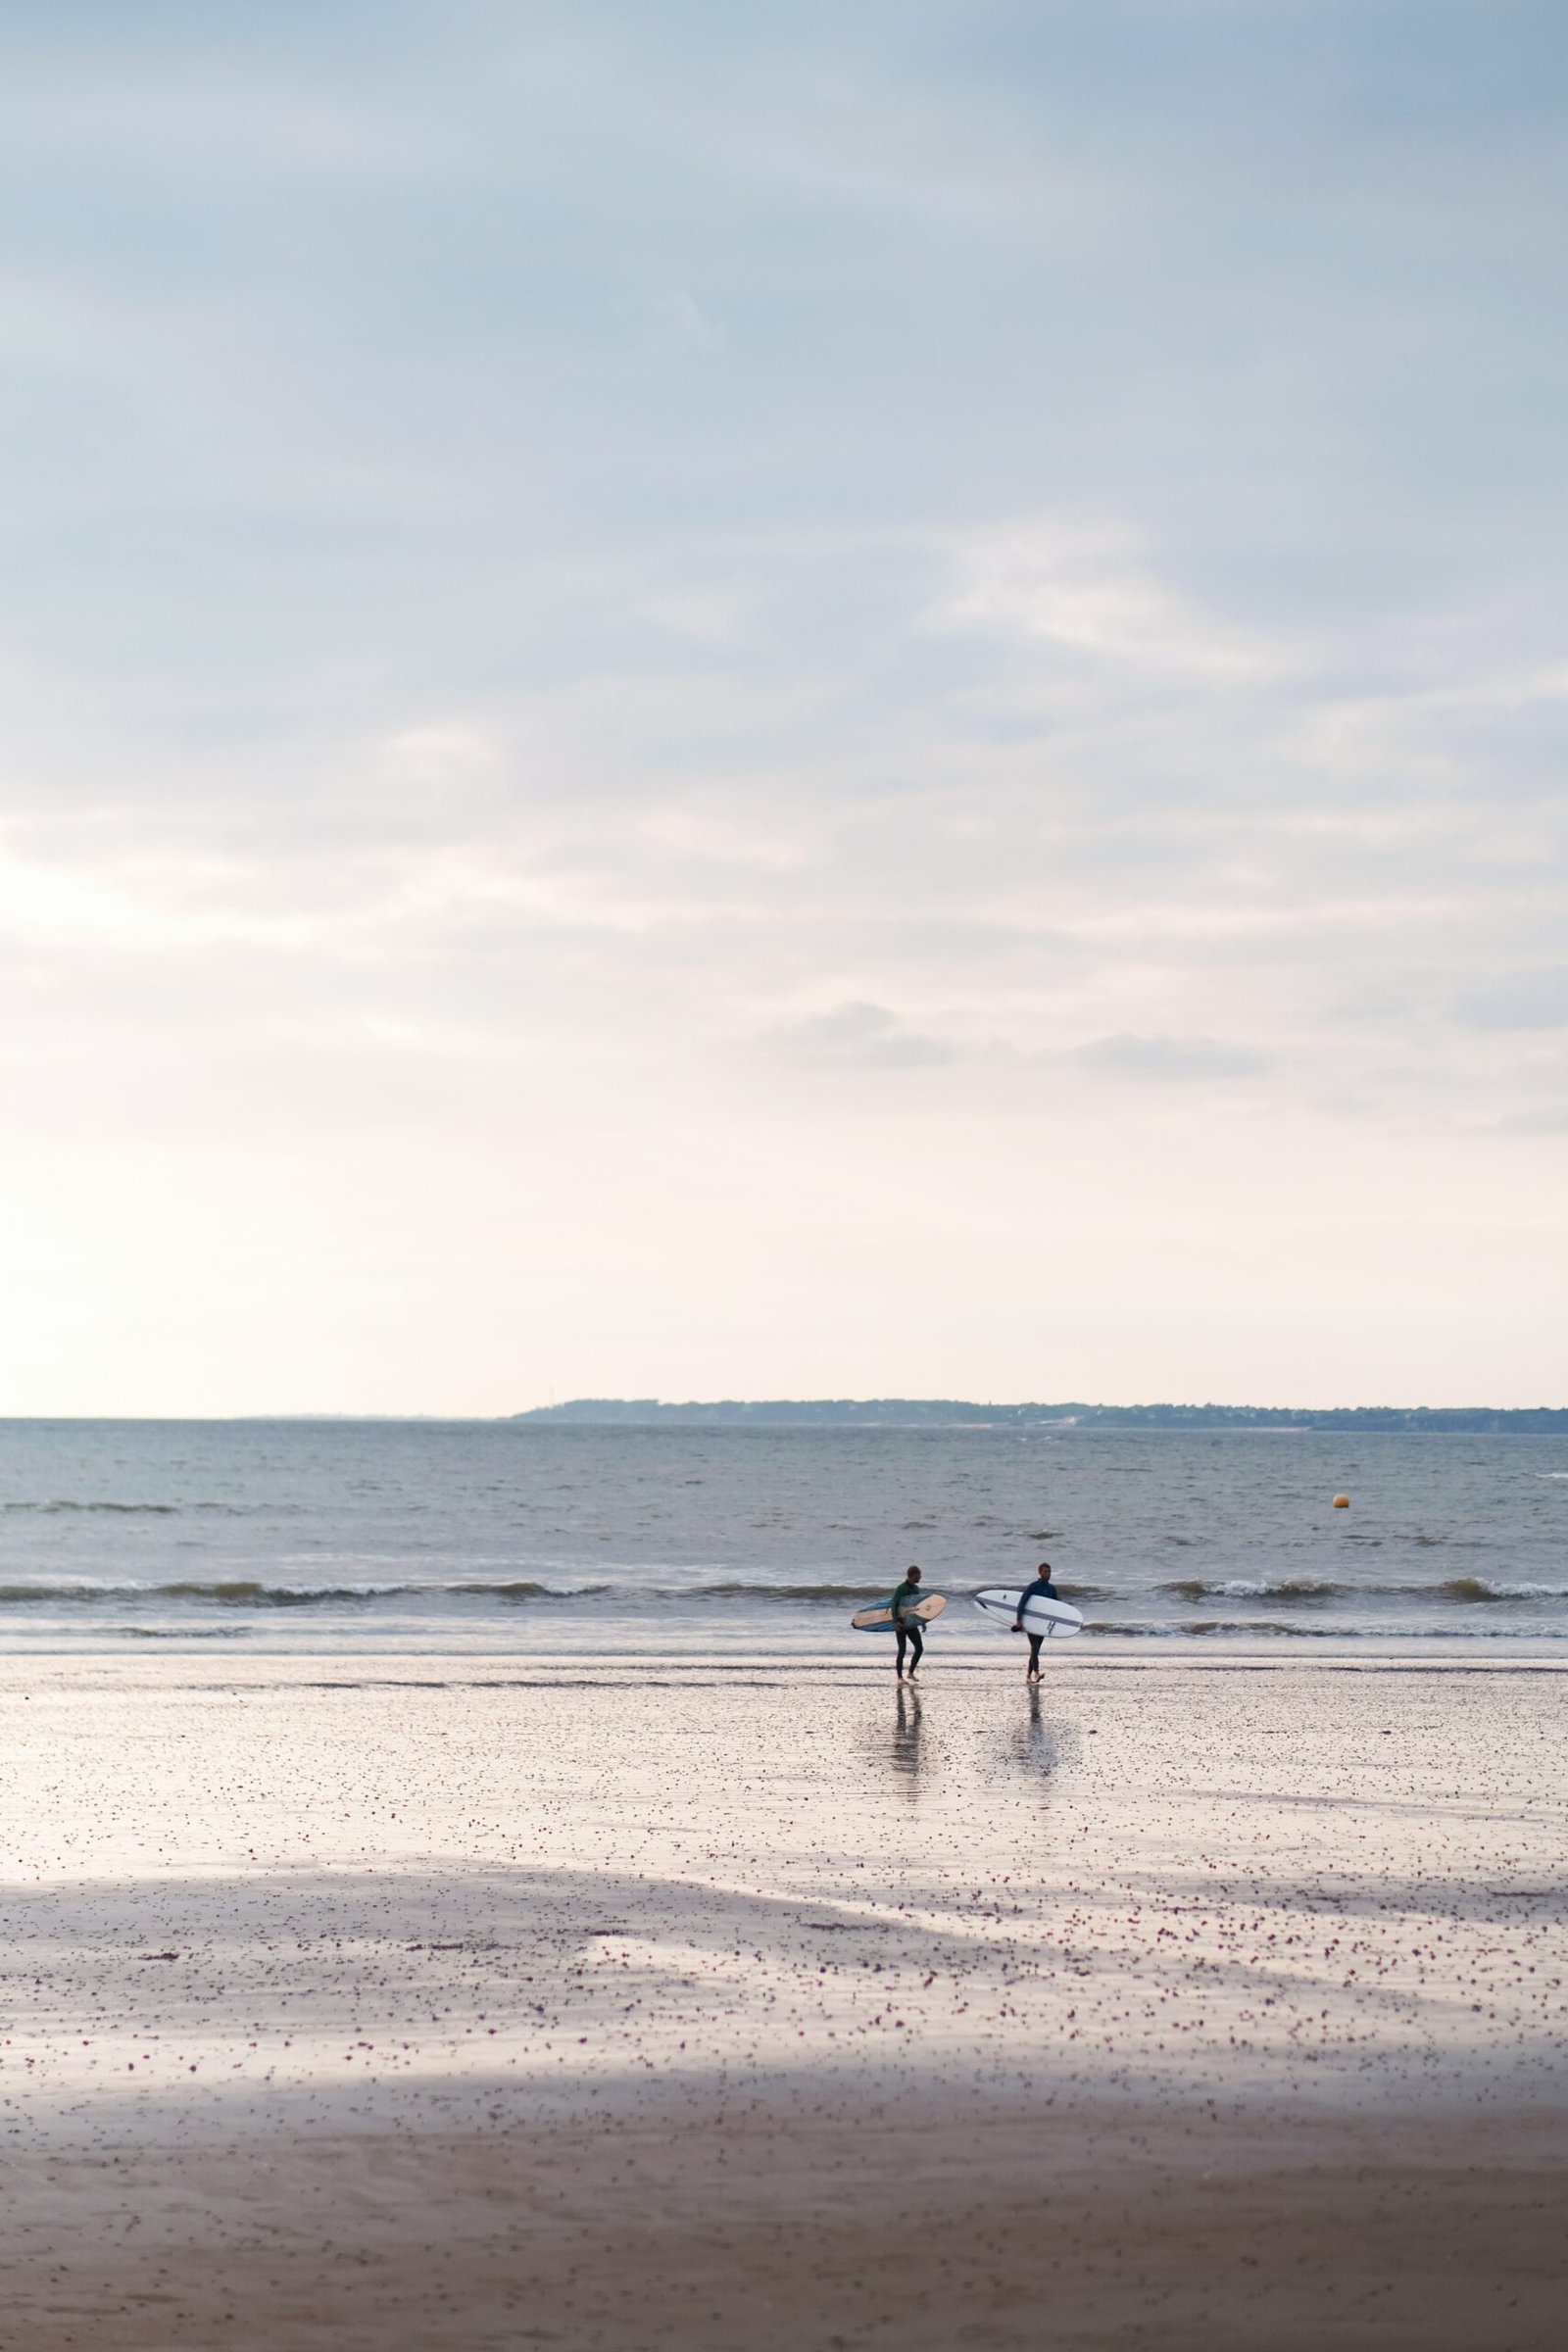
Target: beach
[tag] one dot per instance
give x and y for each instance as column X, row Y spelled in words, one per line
column 616, row 2003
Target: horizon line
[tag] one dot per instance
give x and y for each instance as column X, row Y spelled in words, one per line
column 970, row 1407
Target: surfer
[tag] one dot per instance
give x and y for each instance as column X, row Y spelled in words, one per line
column 1040, row 1589
column 905, row 1624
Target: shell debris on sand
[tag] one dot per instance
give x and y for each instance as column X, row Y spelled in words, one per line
column 269, row 1887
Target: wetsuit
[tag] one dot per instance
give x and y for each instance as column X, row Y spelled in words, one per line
column 1040, row 1589
column 907, row 1628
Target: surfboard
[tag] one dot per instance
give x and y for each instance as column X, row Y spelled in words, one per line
column 879, row 1620
column 1048, row 1617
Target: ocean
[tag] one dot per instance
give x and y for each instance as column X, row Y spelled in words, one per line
column 508, row 1539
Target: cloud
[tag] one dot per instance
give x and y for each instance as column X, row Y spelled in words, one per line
column 1183, row 1060
column 1088, row 588
column 1527, row 1000
column 859, row 1036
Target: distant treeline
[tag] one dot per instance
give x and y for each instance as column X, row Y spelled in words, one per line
column 948, row 1412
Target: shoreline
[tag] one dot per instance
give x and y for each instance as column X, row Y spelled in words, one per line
column 202, row 1663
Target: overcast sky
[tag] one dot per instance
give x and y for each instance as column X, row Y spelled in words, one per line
column 746, row 701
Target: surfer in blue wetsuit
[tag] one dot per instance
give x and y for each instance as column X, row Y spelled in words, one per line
column 1040, row 1589
column 906, row 1624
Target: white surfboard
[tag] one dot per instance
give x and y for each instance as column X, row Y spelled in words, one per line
column 1039, row 1616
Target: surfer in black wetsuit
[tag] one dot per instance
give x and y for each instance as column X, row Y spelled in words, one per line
column 905, row 1624
column 1040, row 1589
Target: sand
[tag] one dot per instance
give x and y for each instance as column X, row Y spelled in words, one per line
column 410, row 2003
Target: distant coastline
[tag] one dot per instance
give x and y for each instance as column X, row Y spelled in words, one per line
column 948, row 1412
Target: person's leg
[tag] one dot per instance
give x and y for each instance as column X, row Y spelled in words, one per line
column 902, row 1638
column 1035, row 1640
column 917, row 1646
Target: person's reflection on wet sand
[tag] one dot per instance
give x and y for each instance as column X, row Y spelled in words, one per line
column 909, row 1764
column 1041, row 1745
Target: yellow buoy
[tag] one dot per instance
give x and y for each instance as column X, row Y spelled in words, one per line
column 1342, row 1502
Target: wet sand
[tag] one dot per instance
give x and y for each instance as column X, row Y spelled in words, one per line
column 404, row 2003
column 917, row 2223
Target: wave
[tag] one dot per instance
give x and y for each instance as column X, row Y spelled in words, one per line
column 154, row 1510
column 1291, row 1587
column 1257, row 1628
column 245, row 1593
column 21, row 1595
column 1464, row 1589
column 181, row 1633
column 1197, row 1628
column 1476, row 1588
column 241, row 1592
column 517, row 1589
column 1290, row 1604
column 629, row 1596
column 160, row 1510
column 249, row 1593
column 734, row 1588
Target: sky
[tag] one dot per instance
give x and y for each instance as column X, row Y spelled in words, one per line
column 857, row 700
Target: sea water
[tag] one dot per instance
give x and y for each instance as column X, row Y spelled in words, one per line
column 526, row 1537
